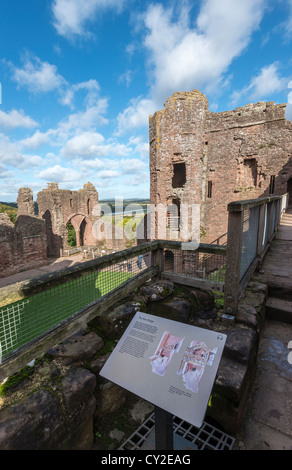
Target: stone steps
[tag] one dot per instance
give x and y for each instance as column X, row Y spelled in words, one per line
column 279, row 309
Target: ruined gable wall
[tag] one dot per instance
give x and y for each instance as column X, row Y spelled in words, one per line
column 245, row 147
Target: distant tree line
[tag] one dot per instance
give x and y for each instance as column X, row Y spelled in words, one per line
column 10, row 209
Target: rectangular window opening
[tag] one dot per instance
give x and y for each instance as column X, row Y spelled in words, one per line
column 209, row 194
column 179, row 175
column 250, row 172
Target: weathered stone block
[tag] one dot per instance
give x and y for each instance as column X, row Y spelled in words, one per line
column 78, row 386
column 77, row 348
column 241, row 344
column 35, row 423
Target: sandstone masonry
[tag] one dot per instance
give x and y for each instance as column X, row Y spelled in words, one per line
column 211, row 159
column 23, row 245
column 60, row 206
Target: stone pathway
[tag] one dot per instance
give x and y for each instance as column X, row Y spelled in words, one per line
column 268, row 423
column 53, row 265
column 277, row 273
column 268, row 420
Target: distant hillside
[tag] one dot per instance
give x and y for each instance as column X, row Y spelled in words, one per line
column 10, row 209
column 10, row 204
column 126, row 202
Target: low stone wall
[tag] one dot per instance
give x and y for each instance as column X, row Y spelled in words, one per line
column 63, row 403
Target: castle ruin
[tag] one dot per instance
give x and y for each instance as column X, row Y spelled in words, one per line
column 34, row 239
column 58, row 207
column 210, row 159
column 197, row 157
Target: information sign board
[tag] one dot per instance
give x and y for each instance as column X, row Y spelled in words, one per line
column 172, row 365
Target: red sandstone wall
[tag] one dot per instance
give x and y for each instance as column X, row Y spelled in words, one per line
column 22, row 246
column 245, row 148
column 236, row 152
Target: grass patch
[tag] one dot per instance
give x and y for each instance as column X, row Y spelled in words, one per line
column 15, row 379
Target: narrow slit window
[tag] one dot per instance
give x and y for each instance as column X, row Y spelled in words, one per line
column 209, row 194
column 179, row 175
column 272, row 184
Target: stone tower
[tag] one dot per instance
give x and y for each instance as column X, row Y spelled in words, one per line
column 177, row 167
column 198, row 157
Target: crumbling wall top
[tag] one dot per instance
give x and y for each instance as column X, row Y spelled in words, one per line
column 89, row 187
column 249, row 115
column 179, row 96
column 52, row 187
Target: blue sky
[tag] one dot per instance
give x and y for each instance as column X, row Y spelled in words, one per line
column 79, row 79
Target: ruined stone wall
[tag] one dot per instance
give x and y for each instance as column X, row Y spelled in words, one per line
column 23, row 245
column 59, row 206
column 240, row 154
column 249, row 155
column 25, row 205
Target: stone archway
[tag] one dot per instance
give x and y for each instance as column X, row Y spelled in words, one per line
column 83, row 228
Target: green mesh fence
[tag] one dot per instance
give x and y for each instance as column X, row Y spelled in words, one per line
column 27, row 319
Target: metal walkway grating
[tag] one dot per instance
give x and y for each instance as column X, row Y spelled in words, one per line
column 207, row 437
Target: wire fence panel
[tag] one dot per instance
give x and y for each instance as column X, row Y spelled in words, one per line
column 195, row 264
column 23, row 321
column 274, row 208
column 266, row 226
column 249, row 238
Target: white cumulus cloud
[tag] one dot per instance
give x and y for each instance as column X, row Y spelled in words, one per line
column 72, row 16
column 59, row 173
column 268, row 82
column 183, row 55
column 15, row 119
column 37, row 76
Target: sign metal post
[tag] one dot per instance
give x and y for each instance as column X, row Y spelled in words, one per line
column 163, row 429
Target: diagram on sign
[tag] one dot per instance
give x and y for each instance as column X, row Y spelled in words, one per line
column 168, row 346
column 195, row 358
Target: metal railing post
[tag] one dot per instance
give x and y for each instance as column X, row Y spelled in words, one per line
column 157, row 259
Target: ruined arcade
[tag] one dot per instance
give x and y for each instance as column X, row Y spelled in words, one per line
column 58, row 207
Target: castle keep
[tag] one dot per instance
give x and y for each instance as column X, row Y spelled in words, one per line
column 210, row 159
